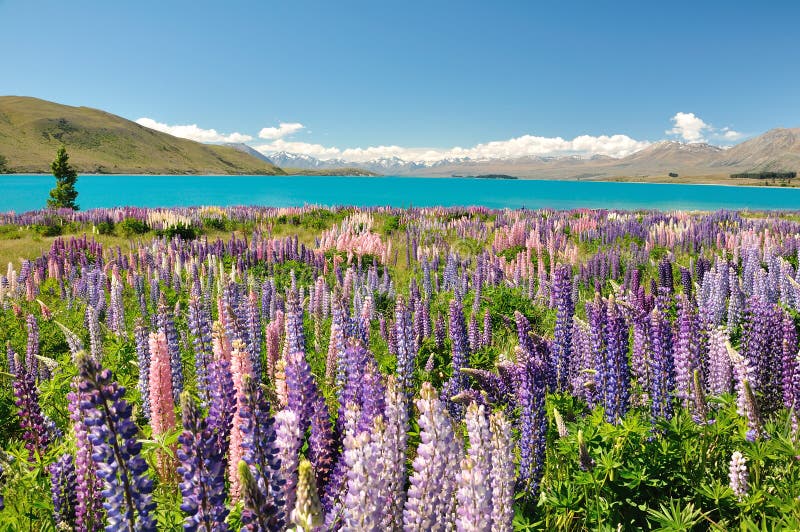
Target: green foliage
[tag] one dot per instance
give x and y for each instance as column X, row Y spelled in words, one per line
column 216, row 223
column 133, row 226
column 106, row 227
column 3, row 163
column 63, row 196
column 186, row 232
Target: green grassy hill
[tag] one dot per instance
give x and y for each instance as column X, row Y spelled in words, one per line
column 31, row 130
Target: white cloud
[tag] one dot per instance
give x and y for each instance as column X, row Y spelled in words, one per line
column 193, row 132
column 689, row 127
column 524, row 146
column 692, row 128
column 283, row 130
column 729, row 134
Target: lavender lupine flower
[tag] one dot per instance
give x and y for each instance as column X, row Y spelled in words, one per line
column 307, row 513
column 460, row 354
column 719, row 363
column 738, row 475
column 487, row 328
column 502, row 473
column 430, row 503
column 474, row 493
column 662, row 372
column 406, row 353
column 264, row 506
column 288, row 440
column 31, row 419
column 32, row 352
column 761, row 347
column 64, row 491
column 141, row 338
column 88, row 510
column 363, row 503
column 115, row 317
column 617, row 372
column 93, row 326
column 393, row 455
column 687, row 356
column 200, row 329
column 530, row 397
column 790, row 368
column 562, row 335
column 128, row 501
column 11, row 356
column 439, row 332
column 222, row 403
column 202, row 469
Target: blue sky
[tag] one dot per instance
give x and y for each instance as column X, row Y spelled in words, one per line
column 422, row 77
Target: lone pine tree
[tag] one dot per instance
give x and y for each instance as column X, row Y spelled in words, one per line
column 64, row 195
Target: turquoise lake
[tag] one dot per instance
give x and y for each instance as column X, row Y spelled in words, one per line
column 26, row 192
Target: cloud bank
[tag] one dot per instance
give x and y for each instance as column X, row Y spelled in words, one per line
column 687, row 126
column 193, row 132
column 524, row 146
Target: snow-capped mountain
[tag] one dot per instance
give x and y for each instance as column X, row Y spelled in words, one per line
column 776, row 149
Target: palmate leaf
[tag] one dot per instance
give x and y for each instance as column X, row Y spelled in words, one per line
column 674, row 517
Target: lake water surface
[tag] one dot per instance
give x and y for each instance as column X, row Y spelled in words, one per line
column 20, row 192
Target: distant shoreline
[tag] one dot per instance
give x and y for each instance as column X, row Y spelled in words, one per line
column 689, row 180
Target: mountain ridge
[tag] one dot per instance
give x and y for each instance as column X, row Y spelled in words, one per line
column 31, row 130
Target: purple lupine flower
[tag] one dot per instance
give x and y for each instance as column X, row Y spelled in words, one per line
column 128, row 500
column 222, row 403
column 64, row 491
column 406, row 353
column 431, row 500
column 264, row 506
column 487, row 329
column 474, row 493
column 662, row 373
column 142, row 338
column 202, row 469
column 761, row 347
column 460, row 355
column 115, row 316
column 32, row 351
column 687, row 355
column 562, row 334
column 502, row 473
column 366, row 492
column 200, row 328
column 288, row 440
column 473, row 333
column 617, row 373
column 585, row 461
column 322, row 444
column 439, row 333
column 738, row 475
column 496, row 388
column 89, row 509
column 393, row 454
column 31, row 419
column 719, row 363
column 789, row 363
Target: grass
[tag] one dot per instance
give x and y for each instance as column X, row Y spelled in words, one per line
column 31, row 130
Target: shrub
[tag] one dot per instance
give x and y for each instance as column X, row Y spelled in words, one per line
column 133, row 226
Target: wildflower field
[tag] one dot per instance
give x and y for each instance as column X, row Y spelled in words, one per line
column 263, row 369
